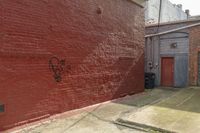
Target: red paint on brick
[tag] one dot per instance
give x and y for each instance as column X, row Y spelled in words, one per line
column 104, row 50
column 193, row 56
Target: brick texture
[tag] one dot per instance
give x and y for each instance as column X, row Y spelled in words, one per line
column 100, row 41
column 194, row 50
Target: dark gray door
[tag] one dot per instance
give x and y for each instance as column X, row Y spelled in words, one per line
column 199, row 69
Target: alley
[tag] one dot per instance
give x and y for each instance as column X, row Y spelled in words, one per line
column 101, row 118
column 180, row 113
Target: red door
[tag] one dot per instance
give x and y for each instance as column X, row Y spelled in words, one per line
column 167, row 71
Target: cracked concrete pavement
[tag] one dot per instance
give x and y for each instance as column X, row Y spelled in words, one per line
column 179, row 113
column 99, row 118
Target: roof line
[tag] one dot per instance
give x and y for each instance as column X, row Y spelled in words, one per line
column 172, row 22
column 173, row 30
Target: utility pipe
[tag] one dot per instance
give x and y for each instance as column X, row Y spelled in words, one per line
column 173, row 30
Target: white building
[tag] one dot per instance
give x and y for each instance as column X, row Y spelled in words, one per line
column 169, row 11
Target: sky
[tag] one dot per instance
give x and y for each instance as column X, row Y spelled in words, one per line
column 192, row 5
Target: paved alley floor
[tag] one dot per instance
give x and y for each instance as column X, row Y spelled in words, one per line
column 179, row 113
column 102, row 118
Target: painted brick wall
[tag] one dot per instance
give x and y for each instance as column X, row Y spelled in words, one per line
column 101, row 41
column 194, row 49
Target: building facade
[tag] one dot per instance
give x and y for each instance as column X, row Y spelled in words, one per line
column 169, row 12
column 172, row 53
column 60, row 55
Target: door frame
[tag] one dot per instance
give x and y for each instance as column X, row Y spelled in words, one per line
column 165, row 57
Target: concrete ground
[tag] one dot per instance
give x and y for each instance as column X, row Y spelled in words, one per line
column 179, row 113
column 103, row 118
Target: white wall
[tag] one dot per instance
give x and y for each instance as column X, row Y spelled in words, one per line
column 169, row 11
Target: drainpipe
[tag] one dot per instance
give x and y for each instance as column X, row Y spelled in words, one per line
column 153, row 66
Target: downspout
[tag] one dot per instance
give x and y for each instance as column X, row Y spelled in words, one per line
column 153, row 39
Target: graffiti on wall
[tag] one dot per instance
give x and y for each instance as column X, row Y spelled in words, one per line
column 58, row 68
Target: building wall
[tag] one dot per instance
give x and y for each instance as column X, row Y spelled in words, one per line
column 192, row 56
column 169, row 12
column 160, row 46
column 58, row 55
column 194, row 50
column 180, row 55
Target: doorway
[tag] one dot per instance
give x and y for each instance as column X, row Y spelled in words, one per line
column 167, row 71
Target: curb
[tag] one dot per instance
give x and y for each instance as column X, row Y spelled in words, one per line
column 141, row 126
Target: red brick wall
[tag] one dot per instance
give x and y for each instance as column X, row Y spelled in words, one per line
column 101, row 41
column 194, row 49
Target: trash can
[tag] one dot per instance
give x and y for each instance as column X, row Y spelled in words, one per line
column 2, row 108
column 150, row 80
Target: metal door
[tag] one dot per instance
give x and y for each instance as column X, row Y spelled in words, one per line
column 199, row 69
column 167, row 71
